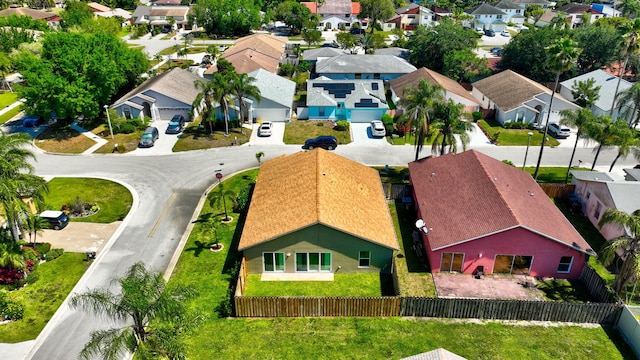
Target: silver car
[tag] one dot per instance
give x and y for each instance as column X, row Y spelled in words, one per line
column 377, row 129
column 559, row 131
column 265, row 129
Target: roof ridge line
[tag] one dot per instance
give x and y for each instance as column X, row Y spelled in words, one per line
column 495, row 186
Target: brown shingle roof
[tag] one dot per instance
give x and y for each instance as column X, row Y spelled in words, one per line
column 508, row 89
column 176, row 83
column 32, row 13
column 296, row 191
column 413, row 78
column 254, row 52
column 467, row 196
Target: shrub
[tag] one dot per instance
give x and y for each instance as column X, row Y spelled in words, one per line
column 286, row 70
column 10, row 309
column 42, row 248
column 319, row 124
column 387, row 119
column 508, row 162
column 304, row 66
column 476, row 115
column 54, row 254
column 342, row 125
column 242, row 201
column 10, row 276
column 518, row 125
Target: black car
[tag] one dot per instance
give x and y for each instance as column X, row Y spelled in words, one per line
column 489, row 32
column 176, row 125
column 356, row 31
column 325, row 142
column 149, row 137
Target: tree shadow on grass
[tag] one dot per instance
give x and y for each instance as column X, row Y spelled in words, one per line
column 199, row 247
column 234, row 256
column 616, row 338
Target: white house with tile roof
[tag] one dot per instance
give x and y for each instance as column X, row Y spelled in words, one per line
column 352, row 100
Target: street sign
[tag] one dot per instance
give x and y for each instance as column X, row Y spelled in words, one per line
column 219, row 176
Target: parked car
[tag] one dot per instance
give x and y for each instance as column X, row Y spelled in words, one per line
column 356, row 31
column 480, row 31
column 57, row 219
column 489, row 32
column 325, row 142
column 176, row 125
column 149, row 137
column 505, row 33
column 32, row 121
column 559, row 131
column 265, row 128
column 377, row 129
column 331, row 45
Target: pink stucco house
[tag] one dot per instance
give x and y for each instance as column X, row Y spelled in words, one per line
column 481, row 214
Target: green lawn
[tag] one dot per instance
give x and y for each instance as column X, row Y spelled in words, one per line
column 10, row 114
column 351, row 284
column 297, row 132
column 42, row 298
column 551, row 174
column 7, row 98
column 515, row 137
column 354, row 338
column 113, row 199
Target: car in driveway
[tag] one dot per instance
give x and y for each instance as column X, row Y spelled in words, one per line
column 57, row 219
column 265, row 129
column 505, row 33
column 149, row 137
column 490, row 33
column 326, row 142
column 32, row 121
column 176, row 125
column 377, row 129
column 559, row 131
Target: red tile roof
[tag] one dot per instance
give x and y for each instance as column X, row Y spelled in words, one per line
column 463, row 197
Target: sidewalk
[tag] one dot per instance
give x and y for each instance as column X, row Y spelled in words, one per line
column 9, row 107
column 99, row 141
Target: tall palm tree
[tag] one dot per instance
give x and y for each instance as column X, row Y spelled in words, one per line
column 143, row 298
column 222, row 196
column 631, row 35
column 419, row 103
column 629, row 245
column 563, row 54
column 243, row 87
column 16, row 179
column 624, row 140
column 204, row 102
column 448, row 124
column 577, row 119
column 631, row 95
column 34, row 225
column 222, row 91
column 585, row 93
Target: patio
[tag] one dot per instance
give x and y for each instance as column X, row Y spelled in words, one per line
column 505, row 287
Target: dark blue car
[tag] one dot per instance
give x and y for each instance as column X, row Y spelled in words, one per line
column 32, row 121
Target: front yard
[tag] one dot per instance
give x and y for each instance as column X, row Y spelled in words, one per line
column 60, row 138
column 197, row 137
column 296, row 132
column 514, row 137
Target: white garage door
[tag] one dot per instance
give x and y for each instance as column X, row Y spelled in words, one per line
column 167, row 114
column 361, row 116
column 275, row 115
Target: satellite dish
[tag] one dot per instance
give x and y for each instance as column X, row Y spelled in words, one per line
column 419, row 223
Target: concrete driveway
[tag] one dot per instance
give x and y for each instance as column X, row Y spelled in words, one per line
column 164, row 144
column 80, row 236
column 276, row 138
column 361, row 135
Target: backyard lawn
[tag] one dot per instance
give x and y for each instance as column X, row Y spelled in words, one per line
column 351, row 284
column 296, row 132
column 42, row 298
column 514, row 137
column 356, row 338
column 113, row 199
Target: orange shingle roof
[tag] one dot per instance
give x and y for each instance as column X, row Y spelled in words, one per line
column 413, row 79
column 463, row 197
column 317, row 187
column 256, row 51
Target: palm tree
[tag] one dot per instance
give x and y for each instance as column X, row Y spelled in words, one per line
column 448, row 124
column 11, row 256
column 629, row 245
column 625, row 141
column 605, row 132
column 204, row 101
column 631, row 95
column 243, row 87
column 631, row 35
column 16, row 179
column 419, row 103
column 577, row 119
column 142, row 298
column 222, row 196
column 585, row 93
column 222, row 90
column 34, row 225
column 562, row 56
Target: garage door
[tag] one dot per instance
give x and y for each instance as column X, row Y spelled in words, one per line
column 167, row 114
column 363, row 116
column 275, row 115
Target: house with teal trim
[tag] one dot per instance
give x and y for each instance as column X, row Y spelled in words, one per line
column 351, row 100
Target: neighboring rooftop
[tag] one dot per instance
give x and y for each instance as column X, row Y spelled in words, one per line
column 176, row 83
column 632, row 174
column 484, row 9
column 413, row 79
column 273, row 87
column 351, row 64
column 32, row 13
column 607, row 83
column 322, row 52
column 466, row 196
column 353, row 93
column 591, row 175
column 254, row 52
column 625, row 195
column 317, row 187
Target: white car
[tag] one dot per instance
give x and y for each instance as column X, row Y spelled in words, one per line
column 377, row 129
column 265, row 129
column 505, row 33
column 559, row 131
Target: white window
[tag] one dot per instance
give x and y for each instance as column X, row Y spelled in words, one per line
column 273, row 262
column 565, row 264
column 364, row 259
column 313, row 262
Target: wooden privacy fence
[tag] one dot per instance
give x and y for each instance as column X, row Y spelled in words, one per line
column 297, row 306
column 396, row 191
column 255, row 306
column 558, row 191
column 597, row 288
column 510, row 310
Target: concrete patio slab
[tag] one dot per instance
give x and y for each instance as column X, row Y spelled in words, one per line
column 506, row 287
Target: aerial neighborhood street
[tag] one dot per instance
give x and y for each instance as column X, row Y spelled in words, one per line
column 441, row 141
